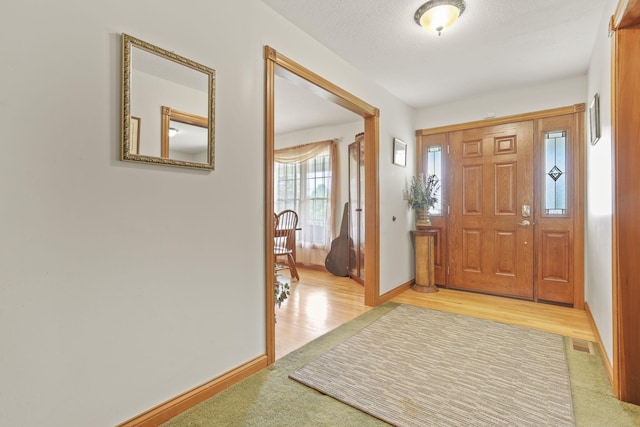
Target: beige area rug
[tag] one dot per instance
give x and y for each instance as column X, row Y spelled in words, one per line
column 421, row 367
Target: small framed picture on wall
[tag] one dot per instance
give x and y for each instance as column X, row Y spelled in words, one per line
column 399, row 152
column 594, row 119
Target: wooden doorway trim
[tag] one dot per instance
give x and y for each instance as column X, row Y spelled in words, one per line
column 553, row 112
column 280, row 65
column 625, row 30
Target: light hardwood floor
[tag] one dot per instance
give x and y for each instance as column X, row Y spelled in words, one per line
column 320, row 302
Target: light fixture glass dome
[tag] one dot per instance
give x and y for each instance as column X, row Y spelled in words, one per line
column 438, row 15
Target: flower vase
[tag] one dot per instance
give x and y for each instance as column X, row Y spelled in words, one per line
column 422, row 218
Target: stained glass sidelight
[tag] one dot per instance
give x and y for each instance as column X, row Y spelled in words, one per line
column 555, row 149
column 434, row 166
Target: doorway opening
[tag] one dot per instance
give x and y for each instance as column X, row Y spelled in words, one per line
column 281, row 66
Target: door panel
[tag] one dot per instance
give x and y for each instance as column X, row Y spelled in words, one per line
column 505, row 188
column 491, row 177
column 472, row 190
column 555, row 256
column 432, row 155
column 472, row 250
column 555, row 211
column 506, row 249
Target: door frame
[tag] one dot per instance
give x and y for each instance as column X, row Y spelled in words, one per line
column 624, row 29
column 579, row 188
column 280, row 65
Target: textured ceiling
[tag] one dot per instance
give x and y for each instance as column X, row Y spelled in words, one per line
column 495, row 45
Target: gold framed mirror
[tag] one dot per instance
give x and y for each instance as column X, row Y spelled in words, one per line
column 168, row 107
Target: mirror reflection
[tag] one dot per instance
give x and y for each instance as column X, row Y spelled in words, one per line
column 184, row 136
column 168, row 107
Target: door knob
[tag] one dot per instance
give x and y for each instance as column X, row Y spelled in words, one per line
column 524, row 223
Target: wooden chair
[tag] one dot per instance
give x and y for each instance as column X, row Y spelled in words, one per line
column 284, row 243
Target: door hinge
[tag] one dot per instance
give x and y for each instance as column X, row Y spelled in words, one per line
column 447, row 270
column 447, row 148
column 448, row 210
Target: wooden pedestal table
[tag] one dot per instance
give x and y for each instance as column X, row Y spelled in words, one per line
column 425, row 261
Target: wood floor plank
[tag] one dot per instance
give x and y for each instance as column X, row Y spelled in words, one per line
column 320, row 302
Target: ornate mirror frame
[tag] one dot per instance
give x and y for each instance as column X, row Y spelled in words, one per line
column 130, row 149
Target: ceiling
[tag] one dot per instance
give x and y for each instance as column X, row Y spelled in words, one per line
column 495, row 45
column 297, row 108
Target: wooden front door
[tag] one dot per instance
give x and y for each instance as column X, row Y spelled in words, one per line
column 491, row 201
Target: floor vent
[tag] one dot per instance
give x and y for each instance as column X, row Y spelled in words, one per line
column 582, row 345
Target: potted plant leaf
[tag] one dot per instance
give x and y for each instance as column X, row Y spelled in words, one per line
column 422, row 191
column 280, row 291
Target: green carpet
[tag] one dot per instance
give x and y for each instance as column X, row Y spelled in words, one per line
column 270, row 398
column 593, row 400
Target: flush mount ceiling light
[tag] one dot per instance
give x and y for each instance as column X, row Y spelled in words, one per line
column 438, row 15
column 173, row 132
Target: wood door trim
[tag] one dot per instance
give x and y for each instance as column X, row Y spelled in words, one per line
column 576, row 108
column 625, row 131
column 372, row 213
column 580, row 190
column 627, row 14
column 278, row 64
column 301, row 76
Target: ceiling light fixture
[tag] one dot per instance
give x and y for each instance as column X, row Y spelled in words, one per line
column 438, row 15
column 173, row 132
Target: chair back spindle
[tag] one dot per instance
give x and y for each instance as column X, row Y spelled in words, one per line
column 285, row 224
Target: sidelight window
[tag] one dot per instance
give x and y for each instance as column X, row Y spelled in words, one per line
column 434, row 167
column 555, row 196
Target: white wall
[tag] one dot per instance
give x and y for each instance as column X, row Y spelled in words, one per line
column 110, row 301
column 554, row 94
column 396, row 250
column 598, row 246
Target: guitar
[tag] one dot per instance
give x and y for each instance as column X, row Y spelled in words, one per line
column 337, row 260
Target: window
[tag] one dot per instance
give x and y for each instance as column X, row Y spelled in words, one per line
column 434, row 167
column 304, row 183
column 555, row 149
column 287, row 191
